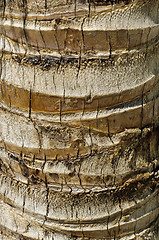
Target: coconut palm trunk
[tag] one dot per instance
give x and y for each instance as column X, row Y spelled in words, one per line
column 79, row 116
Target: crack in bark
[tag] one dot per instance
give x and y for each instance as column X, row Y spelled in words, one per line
column 47, row 200
column 30, row 104
column 83, row 39
column 43, row 166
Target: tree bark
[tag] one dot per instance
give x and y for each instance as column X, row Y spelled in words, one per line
column 79, row 107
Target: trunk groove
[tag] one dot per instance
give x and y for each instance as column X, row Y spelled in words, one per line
column 79, row 119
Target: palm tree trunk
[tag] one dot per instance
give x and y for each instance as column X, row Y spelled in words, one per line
column 79, row 107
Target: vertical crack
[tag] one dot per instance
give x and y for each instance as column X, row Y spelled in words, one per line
column 79, row 177
column 24, row 19
column 33, row 160
column 42, row 38
column 79, row 64
column 97, row 114
column 53, row 81
column 39, row 134
column 83, row 40
column 4, row 7
column 43, row 166
column 110, row 48
column 47, row 200
column 75, row 7
column 58, row 47
column 84, row 106
column 45, row 4
column 9, row 101
column 109, row 132
column 89, row 8
column 90, row 135
column 60, row 110
column 30, row 104
column 1, row 57
column 24, row 199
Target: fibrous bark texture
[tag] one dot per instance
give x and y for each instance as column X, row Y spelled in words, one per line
column 79, row 119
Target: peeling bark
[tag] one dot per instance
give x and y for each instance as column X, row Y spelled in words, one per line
column 79, row 107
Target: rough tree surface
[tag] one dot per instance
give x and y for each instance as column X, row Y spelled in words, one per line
column 79, row 119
